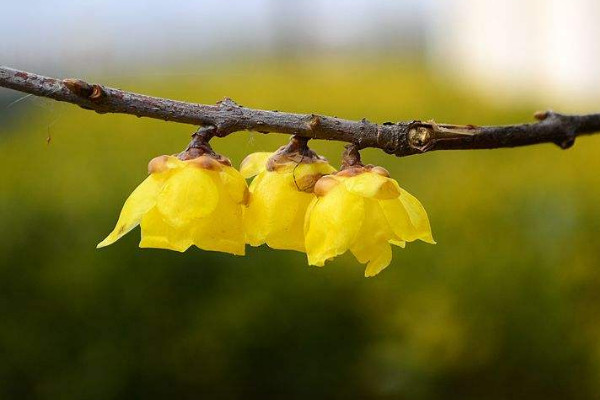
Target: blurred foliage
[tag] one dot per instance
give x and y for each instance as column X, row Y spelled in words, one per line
column 504, row 306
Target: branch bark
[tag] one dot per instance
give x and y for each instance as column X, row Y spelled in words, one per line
column 400, row 138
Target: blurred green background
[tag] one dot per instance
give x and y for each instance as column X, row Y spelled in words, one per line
column 506, row 305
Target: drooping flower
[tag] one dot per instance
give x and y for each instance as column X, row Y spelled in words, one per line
column 363, row 210
column 280, row 194
column 184, row 202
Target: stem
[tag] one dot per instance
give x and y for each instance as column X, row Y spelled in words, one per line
column 401, row 138
column 351, row 157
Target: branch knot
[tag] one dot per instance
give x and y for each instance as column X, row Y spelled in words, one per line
column 81, row 88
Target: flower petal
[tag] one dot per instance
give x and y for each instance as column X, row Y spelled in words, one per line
column 223, row 229
column 372, row 243
column 276, row 211
column 254, row 215
column 313, row 168
column 254, row 163
column 371, row 185
column 306, row 175
column 235, row 184
column 158, row 234
column 418, row 216
column 407, row 218
column 399, row 243
column 382, row 258
column 334, row 222
column 142, row 199
column 188, row 194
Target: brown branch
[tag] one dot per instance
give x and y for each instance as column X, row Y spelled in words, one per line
column 401, row 138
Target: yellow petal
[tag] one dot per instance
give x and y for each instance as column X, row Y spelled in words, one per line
column 334, row 222
column 188, row 194
column 372, row 243
column 309, row 209
column 372, row 185
column 306, row 175
column 313, row 168
column 418, row 216
column 221, row 230
column 254, row 163
column 276, row 211
column 399, row 243
column 142, row 199
column 164, row 163
column 380, row 261
column 158, row 234
column 407, row 218
column 255, row 212
column 325, row 184
column 235, row 184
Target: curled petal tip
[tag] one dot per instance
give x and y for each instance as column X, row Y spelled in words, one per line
column 380, row 171
column 399, row 243
column 104, row 243
column 158, row 164
column 324, row 185
column 428, row 239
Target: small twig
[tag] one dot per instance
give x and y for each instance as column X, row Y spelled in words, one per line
column 401, row 138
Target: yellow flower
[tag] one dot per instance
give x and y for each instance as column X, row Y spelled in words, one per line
column 362, row 210
column 279, row 197
column 197, row 201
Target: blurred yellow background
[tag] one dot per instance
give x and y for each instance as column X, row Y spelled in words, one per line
column 504, row 306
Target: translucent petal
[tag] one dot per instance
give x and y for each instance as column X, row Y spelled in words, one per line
column 334, row 222
column 158, row 234
column 372, row 243
column 399, row 243
column 164, row 163
column 254, row 213
column 254, row 164
column 313, row 168
column 221, row 230
column 380, row 261
column 372, row 185
column 276, row 211
column 188, row 194
column 235, row 184
column 407, row 218
column 418, row 216
column 142, row 199
column 306, row 175
column 309, row 209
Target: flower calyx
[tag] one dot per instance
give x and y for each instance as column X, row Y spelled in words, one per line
column 296, row 152
column 199, row 147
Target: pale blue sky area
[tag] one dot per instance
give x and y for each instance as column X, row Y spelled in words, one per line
column 62, row 33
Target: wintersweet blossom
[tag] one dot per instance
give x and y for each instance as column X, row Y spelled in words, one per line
column 363, row 210
column 280, row 194
column 182, row 203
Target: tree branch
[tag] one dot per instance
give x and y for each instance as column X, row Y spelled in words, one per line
column 401, row 138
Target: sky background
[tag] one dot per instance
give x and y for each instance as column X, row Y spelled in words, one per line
column 97, row 33
column 514, row 50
